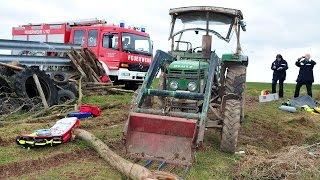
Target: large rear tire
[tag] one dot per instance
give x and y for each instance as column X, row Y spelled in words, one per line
column 231, row 126
column 235, row 83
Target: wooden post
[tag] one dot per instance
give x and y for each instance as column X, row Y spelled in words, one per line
column 17, row 68
column 43, row 98
column 129, row 169
column 80, row 93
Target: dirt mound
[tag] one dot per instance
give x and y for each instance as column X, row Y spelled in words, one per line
column 25, row 167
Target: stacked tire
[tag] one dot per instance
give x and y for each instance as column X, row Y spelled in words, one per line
column 25, row 87
column 67, row 90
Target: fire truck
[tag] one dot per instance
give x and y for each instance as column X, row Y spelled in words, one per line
column 124, row 51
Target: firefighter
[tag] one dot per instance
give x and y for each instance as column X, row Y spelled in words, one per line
column 279, row 67
column 305, row 76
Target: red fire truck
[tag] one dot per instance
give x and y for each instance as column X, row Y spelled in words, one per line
column 125, row 52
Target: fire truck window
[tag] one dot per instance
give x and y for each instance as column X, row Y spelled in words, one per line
column 79, row 37
column 41, row 38
column 92, row 38
column 136, row 43
column 110, row 41
column 58, row 38
column 115, row 42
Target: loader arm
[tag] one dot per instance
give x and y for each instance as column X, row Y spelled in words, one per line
column 168, row 136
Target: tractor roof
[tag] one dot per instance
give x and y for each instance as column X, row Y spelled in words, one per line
column 211, row 9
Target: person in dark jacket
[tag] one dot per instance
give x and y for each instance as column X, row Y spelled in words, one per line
column 279, row 67
column 305, row 76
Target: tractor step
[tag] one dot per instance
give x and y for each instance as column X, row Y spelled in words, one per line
column 161, row 138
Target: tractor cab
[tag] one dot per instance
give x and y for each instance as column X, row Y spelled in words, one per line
column 191, row 33
column 197, row 89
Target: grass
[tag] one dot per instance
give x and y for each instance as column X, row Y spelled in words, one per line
column 81, row 169
column 265, row 127
column 254, row 89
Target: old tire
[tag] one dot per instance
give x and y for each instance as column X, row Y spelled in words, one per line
column 60, row 78
column 65, row 95
column 6, row 71
column 231, row 126
column 235, row 83
column 25, row 86
column 4, row 85
column 9, row 105
column 71, row 87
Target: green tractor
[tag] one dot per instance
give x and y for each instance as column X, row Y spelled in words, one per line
column 197, row 89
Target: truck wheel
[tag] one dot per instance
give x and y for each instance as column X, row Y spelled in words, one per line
column 60, row 78
column 231, row 126
column 235, row 83
column 65, row 95
column 25, row 86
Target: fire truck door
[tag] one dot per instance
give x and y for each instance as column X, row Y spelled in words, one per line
column 109, row 50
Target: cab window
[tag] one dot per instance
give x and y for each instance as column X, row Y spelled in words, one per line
column 92, row 38
column 110, row 40
column 79, row 37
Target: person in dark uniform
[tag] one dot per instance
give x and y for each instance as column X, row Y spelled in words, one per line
column 305, row 76
column 279, row 67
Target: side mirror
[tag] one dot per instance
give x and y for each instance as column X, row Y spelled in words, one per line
column 243, row 25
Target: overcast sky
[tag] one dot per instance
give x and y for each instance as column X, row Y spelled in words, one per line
column 288, row 27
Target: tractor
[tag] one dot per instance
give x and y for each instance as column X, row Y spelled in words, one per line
column 196, row 90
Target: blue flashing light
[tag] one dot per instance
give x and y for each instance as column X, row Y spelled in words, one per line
column 122, row 24
column 143, row 29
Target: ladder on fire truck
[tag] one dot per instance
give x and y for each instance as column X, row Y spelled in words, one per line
column 83, row 22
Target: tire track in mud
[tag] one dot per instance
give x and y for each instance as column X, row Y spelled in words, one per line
column 16, row 169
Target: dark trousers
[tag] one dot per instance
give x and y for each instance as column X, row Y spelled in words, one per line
column 298, row 86
column 274, row 84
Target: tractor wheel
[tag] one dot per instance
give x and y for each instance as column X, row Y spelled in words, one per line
column 231, row 126
column 235, row 79
column 147, row 101
column 235, row 83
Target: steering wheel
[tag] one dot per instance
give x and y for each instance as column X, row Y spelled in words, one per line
column 194, row 49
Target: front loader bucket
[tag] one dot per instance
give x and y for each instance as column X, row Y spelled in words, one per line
column 163, row 138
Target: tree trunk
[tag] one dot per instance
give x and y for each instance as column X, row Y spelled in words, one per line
column 129, row 169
